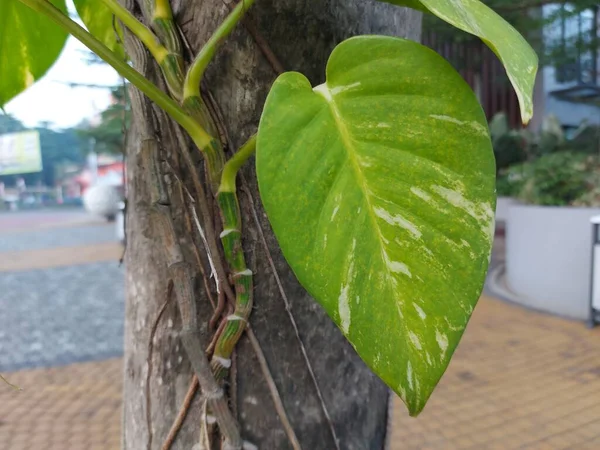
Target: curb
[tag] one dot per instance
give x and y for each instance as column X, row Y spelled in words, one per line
column 496, row 284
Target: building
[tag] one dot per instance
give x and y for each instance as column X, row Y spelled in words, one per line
column 570, row 89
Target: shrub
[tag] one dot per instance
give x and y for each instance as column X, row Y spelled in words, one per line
column 512, row 147
column 554, row 179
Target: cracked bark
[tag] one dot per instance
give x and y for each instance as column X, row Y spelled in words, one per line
column 302, row 34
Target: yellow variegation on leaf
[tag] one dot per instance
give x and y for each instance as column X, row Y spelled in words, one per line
column 380, row 188
column 100, row 22
column 29, row 44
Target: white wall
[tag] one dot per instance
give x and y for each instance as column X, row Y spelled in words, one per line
column 548, row 254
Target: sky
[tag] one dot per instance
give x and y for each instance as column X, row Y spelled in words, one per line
column 52, row 100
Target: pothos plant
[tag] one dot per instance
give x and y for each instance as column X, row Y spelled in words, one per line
column 379, row 183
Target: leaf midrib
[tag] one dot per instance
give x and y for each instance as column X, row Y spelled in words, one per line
column 348, row 143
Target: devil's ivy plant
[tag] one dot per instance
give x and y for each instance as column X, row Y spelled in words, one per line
column 29, row 45
column 379, row 184
column 100, row 21
column 386, row 170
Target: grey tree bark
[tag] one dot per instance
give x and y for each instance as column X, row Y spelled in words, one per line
column 302, row 34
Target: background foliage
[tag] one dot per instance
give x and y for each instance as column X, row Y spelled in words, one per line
column 108, row 134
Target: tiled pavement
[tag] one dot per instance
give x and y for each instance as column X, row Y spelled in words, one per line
column 519, row 379
column 61, row 301
column 61, row 315
column 61, row 289
column 56, row 237
column 76, row 407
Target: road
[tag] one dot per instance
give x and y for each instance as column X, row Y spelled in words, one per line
column 61, row 289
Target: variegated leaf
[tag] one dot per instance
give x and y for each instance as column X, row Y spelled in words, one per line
column 99, row 20
column 379, row 185
column 29, row 44
column 474, row 17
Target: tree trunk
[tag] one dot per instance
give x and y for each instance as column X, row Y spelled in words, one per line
column 302, row 34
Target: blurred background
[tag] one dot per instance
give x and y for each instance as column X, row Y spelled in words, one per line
column 526, row 374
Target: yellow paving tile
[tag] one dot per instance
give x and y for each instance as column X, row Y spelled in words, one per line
column 59, row 256
column 519, row 379
column 62, row 408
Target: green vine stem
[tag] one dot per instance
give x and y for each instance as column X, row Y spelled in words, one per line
column 205, row 142
column 161, row 19
column 191, row 86
column 167, row 51
column 235, row 163
column 170, row 63
column 226, row 195
column 15, row 387
column 231, row 238
column 192, row 100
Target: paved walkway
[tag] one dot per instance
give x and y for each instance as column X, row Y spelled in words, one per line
column 519, row 379
column 76, row 407
column 46, row 218
column 61, row 302
column 61, row 290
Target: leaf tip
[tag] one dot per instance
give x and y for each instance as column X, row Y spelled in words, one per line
column 414, row 412
column 526, row 117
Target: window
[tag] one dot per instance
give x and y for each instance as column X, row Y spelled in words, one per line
column 573, row 43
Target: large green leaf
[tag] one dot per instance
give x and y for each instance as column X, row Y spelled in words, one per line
column 29, row 44
column 379, row 186
column 98, row 19
column 512, row 49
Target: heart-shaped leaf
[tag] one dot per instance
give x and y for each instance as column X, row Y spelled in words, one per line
column 379, row 185
column 512, row 49
column 99, row 21
column 29, row 44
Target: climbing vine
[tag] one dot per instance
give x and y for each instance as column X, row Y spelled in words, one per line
column 379, row 183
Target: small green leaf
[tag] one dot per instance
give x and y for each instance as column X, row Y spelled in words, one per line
column 512, row 49
column 379, row 185
column 98, row 19
column 29, row 44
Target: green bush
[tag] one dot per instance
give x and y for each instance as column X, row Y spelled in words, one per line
column 585, row 140
column 555, row 179
column 512, row 147
column 505, row 187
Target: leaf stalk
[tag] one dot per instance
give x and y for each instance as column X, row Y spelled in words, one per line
column 191, row 86
column 200, row 137
column 235, row 163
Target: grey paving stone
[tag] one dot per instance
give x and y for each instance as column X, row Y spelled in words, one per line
column 61, row 315
column 57, row 237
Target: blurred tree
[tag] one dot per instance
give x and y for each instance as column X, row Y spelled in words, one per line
column 58, row 148
column 8, row 124
column 108, row 134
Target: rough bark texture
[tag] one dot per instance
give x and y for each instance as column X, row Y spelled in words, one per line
column 302, row 34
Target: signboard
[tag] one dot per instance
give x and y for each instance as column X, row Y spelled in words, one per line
column 20, row 153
